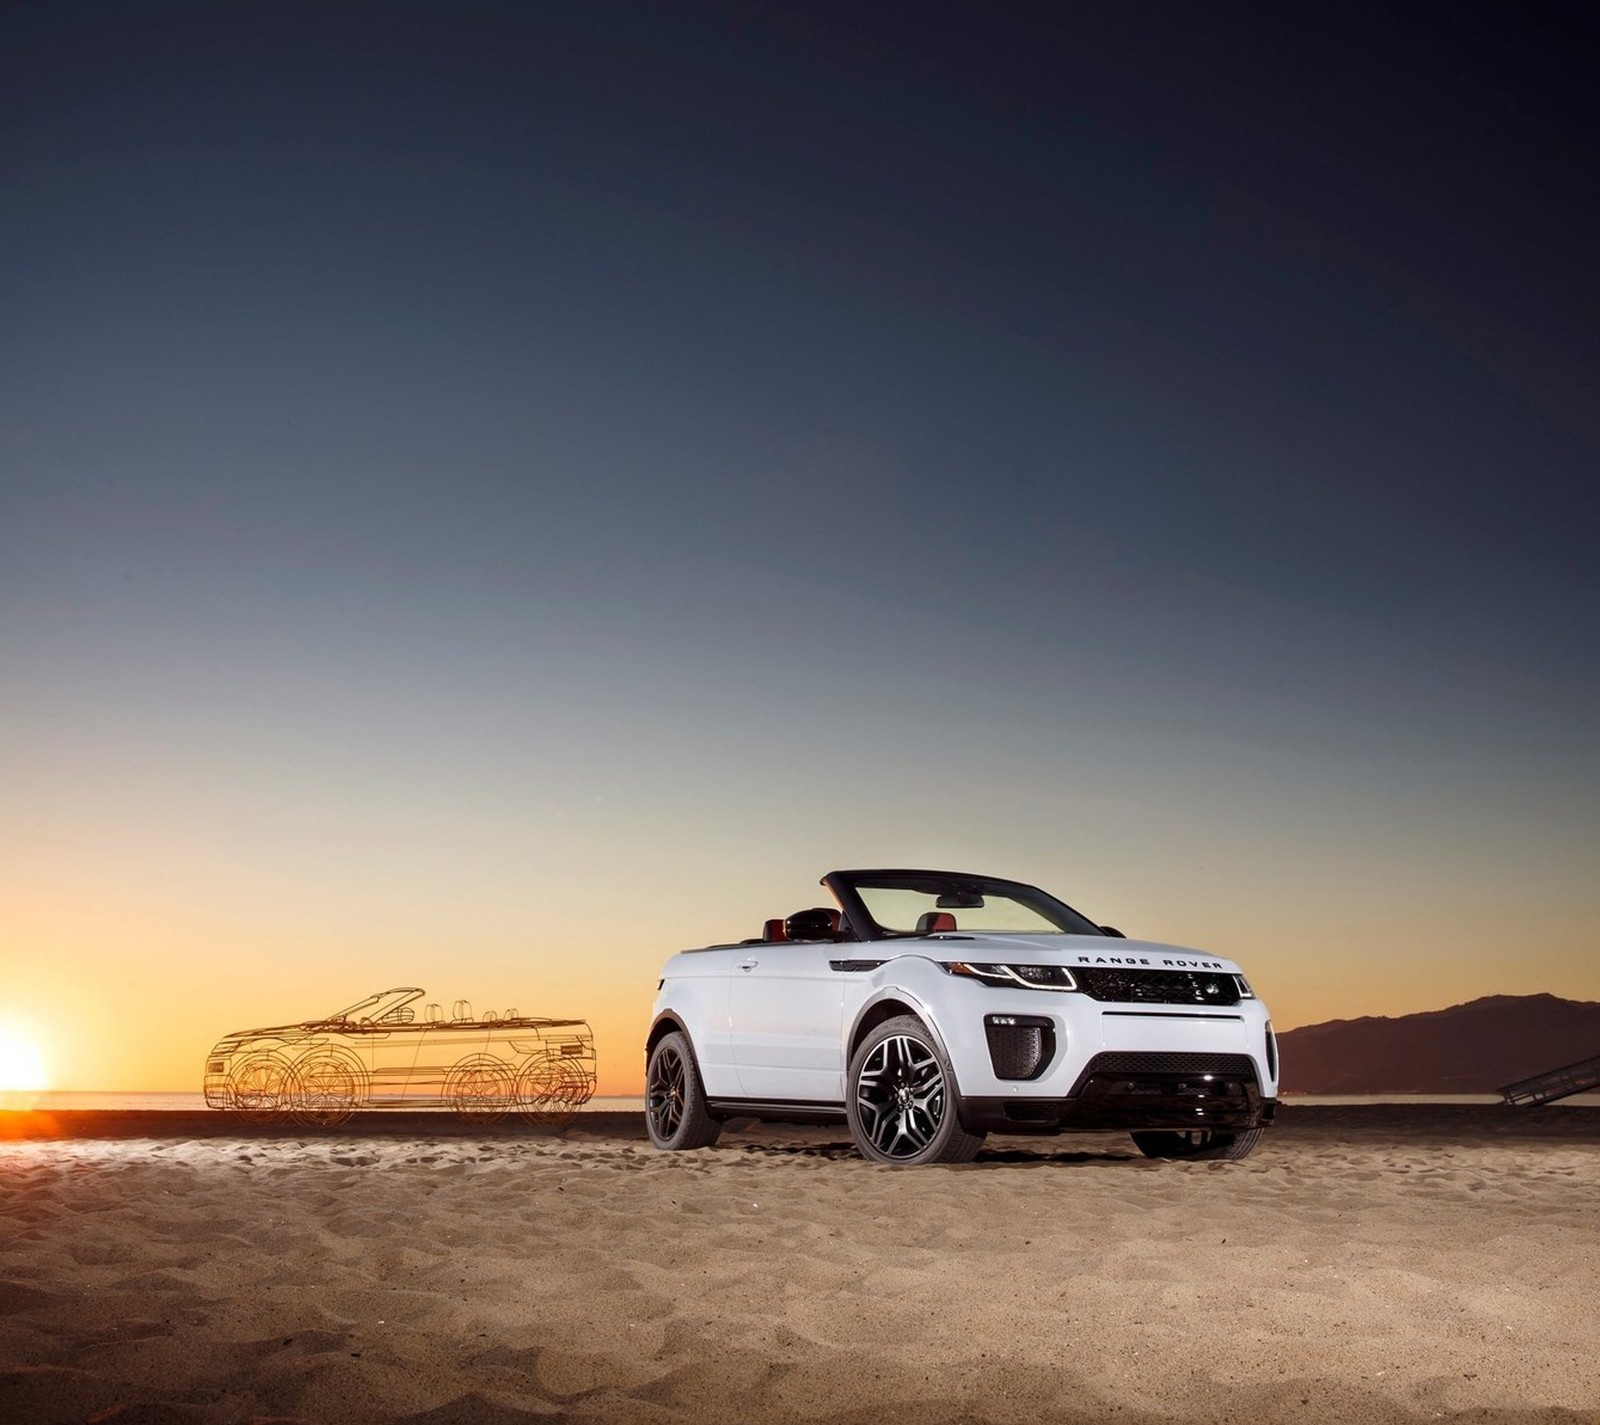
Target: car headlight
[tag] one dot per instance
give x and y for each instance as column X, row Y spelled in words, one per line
column 1028, row 977
column 1245, row 992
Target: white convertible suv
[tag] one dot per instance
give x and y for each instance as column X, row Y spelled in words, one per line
column 934, row 1007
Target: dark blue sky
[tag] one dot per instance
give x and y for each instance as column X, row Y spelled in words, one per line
column 1100, row 438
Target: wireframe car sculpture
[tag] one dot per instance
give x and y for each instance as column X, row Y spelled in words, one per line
column 933, row 1007
column 378, row 1054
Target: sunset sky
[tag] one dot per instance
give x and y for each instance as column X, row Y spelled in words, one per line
column 493, row 494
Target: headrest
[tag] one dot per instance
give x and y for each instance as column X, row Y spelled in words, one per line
column 817, row 924
column 935, row 922
column 773, row 932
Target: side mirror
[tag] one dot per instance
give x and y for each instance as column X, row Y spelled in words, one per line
column 1112, row 930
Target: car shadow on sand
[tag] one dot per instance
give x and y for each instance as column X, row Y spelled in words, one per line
column 1007, row 1153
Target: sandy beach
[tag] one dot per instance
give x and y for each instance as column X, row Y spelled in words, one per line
column 1368, row 1264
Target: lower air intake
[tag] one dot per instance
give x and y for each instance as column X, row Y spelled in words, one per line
column 1239, row 1068
column 1020, row 1045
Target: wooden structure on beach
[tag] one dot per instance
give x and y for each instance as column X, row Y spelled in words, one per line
column 1554, row 1084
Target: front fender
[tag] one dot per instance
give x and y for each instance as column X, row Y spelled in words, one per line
column 663, row 1024
column 913, row 981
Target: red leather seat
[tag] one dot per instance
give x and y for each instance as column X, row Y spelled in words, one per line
column 819, row 923
column 935, row 922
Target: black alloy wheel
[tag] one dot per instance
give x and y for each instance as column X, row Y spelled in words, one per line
column 675, row 1111
column 902, row 1105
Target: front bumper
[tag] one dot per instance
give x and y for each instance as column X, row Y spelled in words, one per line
column 1107, row 1065
column 1136, row 1091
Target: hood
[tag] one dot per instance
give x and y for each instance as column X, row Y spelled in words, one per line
column 1069, row 950
column 230, row 1043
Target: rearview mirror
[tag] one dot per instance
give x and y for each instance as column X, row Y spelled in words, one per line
column 960, row 900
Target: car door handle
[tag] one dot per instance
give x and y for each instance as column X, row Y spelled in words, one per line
column 748, row 964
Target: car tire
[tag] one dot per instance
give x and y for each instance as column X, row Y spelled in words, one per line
column 1206, row 1144
column 675, row 1112
column 326, row 1089
column 902, row 1101
column 552, row 1090
column 259, row 1089
column 480, row 1088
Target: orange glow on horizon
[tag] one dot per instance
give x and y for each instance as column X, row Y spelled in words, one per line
column 114, row 981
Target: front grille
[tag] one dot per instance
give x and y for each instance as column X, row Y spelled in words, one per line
column 1157, row 986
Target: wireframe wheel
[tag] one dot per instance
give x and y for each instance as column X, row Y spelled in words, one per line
column 552, row 1089
column 259, row 1088
column 1199, row 1144
column 675, row 1112
column 902, row 1105
column 480, row 1088
column 325, row 1089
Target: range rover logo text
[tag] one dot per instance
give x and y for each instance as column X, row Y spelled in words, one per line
column 1169, row 962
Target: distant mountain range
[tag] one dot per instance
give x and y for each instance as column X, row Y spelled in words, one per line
column 1468, row 1048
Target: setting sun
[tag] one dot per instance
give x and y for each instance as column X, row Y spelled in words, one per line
column 20, row 1064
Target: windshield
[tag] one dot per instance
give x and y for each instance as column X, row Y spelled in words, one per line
column 933, row 902
column 377, row 1006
